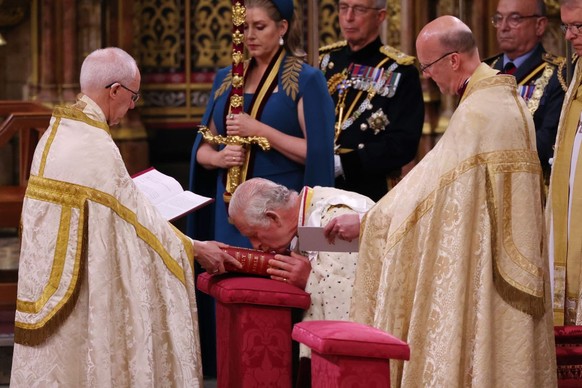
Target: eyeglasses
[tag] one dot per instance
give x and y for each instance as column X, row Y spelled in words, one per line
column 358, row 10
column 134, row 95
column 424, row 68
column 575, row 29
column 513, row 20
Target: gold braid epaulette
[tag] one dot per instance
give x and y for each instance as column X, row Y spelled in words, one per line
column 491, row 61
column 331, row 47
column 560, row 63
column 397, row 55
column 553, row 59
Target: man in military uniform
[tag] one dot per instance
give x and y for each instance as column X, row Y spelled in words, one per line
column 540, row 76
column 378, row 98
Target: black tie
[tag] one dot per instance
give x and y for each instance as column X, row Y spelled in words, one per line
column 509, row 68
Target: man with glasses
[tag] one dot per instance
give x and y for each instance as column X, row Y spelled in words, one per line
column 378, row 101
column 520, row 26
column 451, row 260
column 564, row 208
column 106, row 284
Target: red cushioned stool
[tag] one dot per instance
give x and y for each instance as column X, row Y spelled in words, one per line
column 253, row 328
column 569, row 355
column 349, row 354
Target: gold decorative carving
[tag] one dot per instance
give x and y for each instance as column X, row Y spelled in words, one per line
column 237, row 57
column 238, row 37
column 394, row 16
column 238, row 14
column 237, row 81
column 236, row 101
column 12, row 12
column 552, row 7
column 212, row 34
column 329, row 30
column 159, row 40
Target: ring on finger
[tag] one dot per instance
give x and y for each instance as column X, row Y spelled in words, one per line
column 231, row 116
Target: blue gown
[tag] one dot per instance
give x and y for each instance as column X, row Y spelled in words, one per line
column 280, row 112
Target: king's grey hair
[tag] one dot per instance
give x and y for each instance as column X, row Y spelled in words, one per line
column 254, row 198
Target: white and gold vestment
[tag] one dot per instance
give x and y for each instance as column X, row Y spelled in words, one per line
column 452, row 259
column 106, row 285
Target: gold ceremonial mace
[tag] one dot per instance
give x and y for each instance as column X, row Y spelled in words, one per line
column 236, row 174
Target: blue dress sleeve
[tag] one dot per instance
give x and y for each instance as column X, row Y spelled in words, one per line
column 319, row 122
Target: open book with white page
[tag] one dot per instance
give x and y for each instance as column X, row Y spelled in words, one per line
column 167, row 195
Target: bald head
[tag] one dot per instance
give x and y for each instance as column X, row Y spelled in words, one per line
column 447, row 52
column 449, row 33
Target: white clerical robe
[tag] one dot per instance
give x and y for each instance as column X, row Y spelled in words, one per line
column 451, row 259
column 106, row 285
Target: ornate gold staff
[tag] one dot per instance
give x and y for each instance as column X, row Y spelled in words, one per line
column 236, row 174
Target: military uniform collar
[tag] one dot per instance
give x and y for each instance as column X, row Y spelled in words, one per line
column 521, row 59
column 366, row 52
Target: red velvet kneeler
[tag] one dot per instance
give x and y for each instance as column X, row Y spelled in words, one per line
column 253, row 329
column 569, row 355
column 349, row 354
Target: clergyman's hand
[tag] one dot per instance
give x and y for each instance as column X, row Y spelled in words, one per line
column 212, row 258
column 294, row 269
column 346, row 227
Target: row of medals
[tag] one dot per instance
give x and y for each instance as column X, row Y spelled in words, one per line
column 375, row 81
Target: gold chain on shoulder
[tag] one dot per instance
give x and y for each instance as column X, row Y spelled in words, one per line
column 330, row 47
column 334, row 81
column 560, row 71
column 540, row 85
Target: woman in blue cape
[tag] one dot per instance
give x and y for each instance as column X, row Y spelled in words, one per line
column 285, row 100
